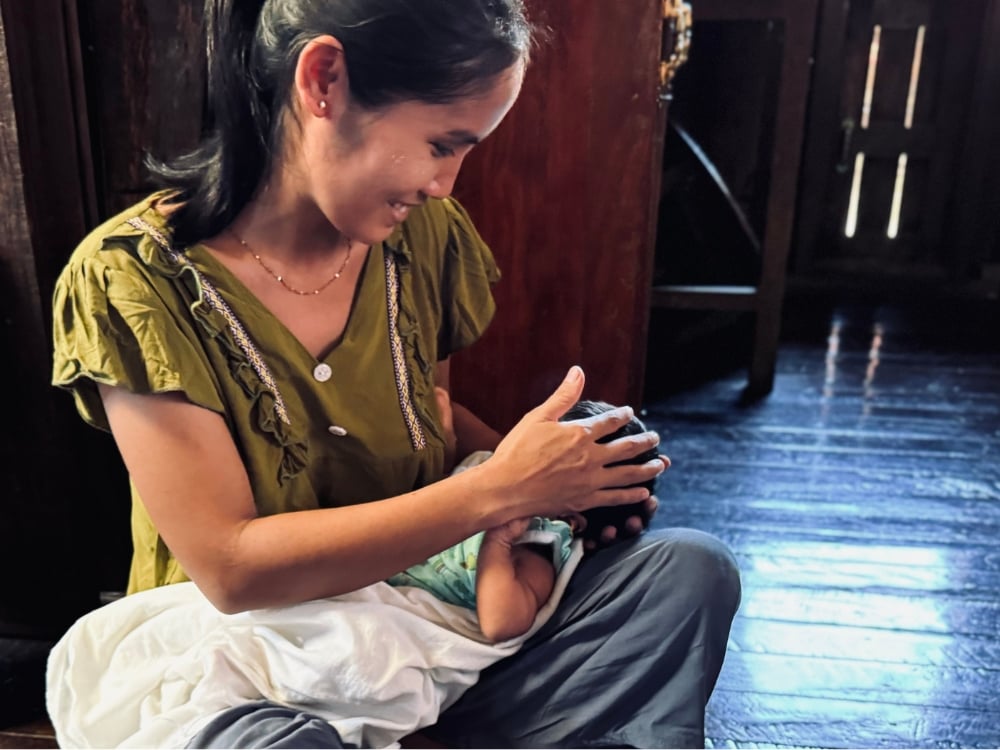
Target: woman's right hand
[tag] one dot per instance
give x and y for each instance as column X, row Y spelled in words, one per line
column 552, row 468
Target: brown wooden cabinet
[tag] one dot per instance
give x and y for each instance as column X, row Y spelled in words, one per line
column 565, row 192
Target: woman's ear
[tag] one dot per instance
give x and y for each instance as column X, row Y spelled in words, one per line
column 321, row 85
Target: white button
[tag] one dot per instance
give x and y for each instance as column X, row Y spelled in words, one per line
column 322, row 372
column 336, row 429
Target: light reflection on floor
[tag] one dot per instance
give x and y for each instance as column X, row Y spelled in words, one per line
column 862, row 501
column 832, row 373
column 844, row 573
column 843, row 608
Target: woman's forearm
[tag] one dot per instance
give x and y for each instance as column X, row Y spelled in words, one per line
column 293, row 557
column 193, row 484
column 190, row 475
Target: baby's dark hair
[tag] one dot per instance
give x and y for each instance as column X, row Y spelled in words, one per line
column 612, row 515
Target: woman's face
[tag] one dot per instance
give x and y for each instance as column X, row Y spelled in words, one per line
column 366, row 169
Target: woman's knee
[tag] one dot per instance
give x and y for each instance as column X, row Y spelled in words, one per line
column 696, row 565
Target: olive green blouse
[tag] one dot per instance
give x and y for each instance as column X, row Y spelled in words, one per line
column 132, row 311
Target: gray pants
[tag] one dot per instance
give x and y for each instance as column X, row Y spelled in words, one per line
column 629, row 659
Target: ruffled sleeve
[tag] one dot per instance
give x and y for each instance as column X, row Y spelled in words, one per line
column 468, row 274
column 116, row 323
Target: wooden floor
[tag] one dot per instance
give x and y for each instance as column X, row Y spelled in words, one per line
column 862, row 500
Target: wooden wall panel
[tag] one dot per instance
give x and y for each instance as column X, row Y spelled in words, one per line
column 145, row 74
column 20, row 315
column 65, row 514
column 563, row 192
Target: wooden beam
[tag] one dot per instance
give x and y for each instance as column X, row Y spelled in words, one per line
column 704, row 297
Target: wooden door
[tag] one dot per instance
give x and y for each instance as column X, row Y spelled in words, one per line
column 893, row 84
column 565, row 193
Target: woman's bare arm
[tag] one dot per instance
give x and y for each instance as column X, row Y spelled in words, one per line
column 192, row 481
column 188, row 472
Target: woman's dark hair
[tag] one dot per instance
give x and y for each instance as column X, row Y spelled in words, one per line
column 613, row 515
column 434, row 51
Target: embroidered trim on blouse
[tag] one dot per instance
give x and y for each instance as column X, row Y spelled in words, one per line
column 417, row 439
column 216, row 302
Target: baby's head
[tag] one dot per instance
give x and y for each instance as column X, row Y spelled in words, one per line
column 612, row 515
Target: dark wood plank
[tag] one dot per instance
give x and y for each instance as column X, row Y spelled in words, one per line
column 850, row 643
column 856, row 679
column 887, row 556
column 937, row 576
column 940, row 613
column 738, row 720
column 34, row 734
column 146, row 86
column 694, row 297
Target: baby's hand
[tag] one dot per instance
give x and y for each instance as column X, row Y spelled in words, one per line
column 506, row 534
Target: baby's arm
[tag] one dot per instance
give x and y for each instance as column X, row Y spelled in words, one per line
column 512, row 582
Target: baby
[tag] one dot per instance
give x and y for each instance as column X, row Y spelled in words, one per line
column 507, row 573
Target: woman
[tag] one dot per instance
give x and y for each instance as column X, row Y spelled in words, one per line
column 263, row 338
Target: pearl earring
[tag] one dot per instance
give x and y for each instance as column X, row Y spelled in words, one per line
column 322, row 104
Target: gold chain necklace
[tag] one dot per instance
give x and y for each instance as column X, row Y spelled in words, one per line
column 281, row 279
